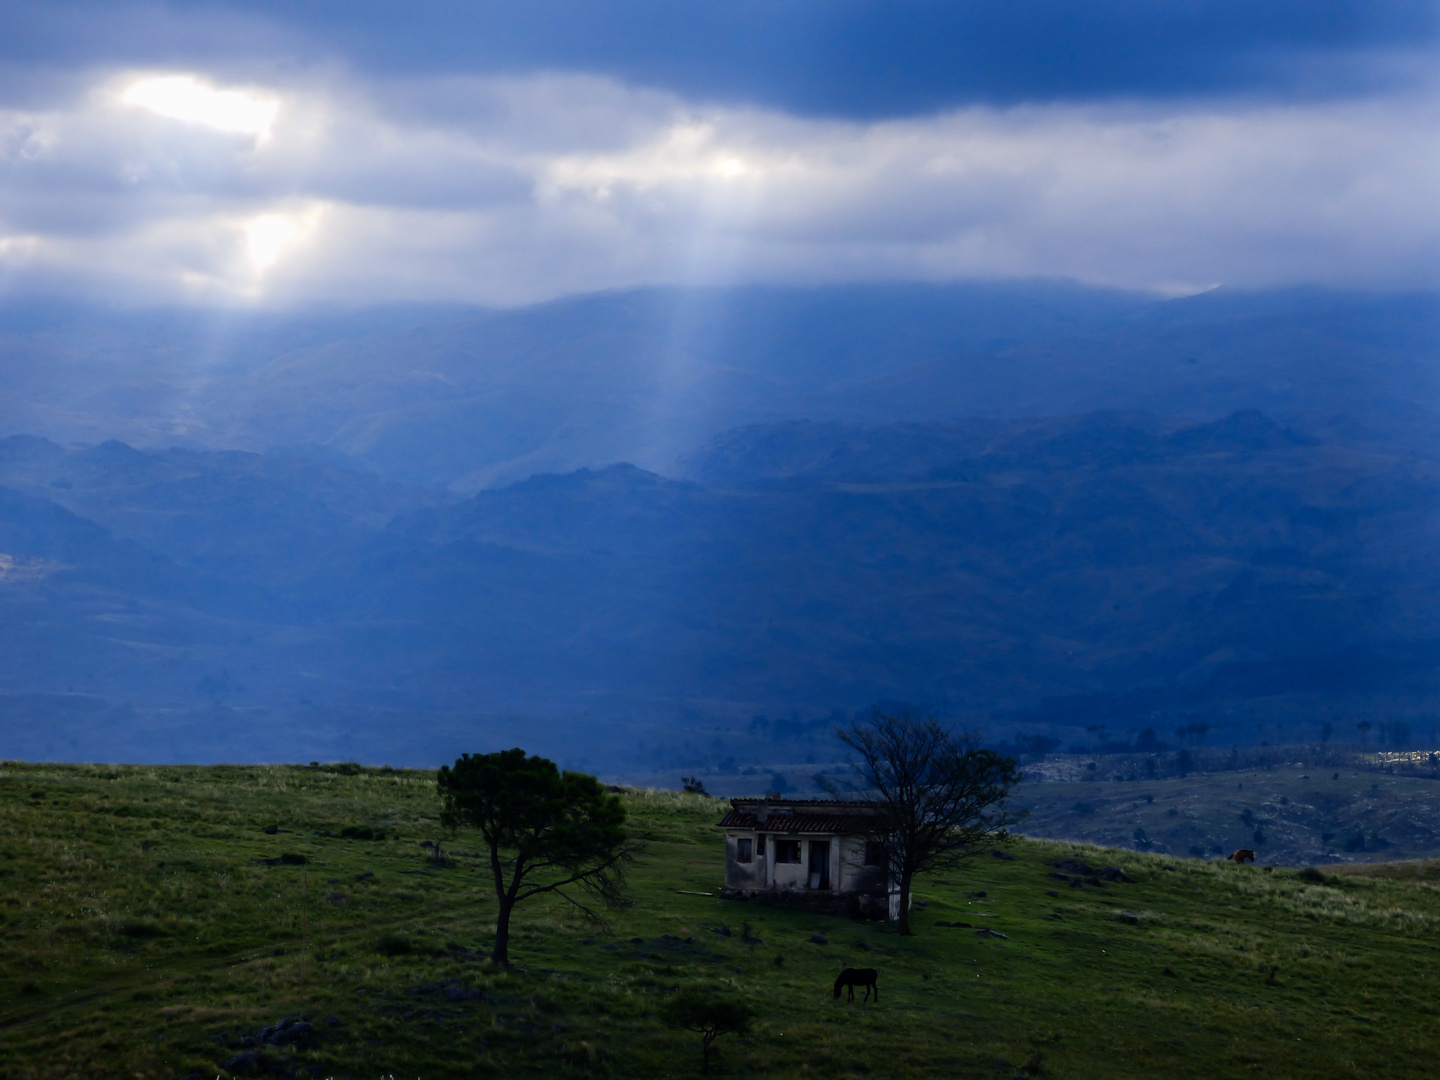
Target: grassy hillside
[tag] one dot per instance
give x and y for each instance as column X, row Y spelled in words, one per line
column 1290, row 815
column 1294, row 805
column 148, row 920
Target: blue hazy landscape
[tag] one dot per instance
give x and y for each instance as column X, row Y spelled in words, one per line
column 1052, row 512
column 657, row 385
column 549, row 537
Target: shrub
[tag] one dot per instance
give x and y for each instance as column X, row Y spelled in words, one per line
column 709, row 1017
column 392, row 944
column 361, row 832
column 139, row 928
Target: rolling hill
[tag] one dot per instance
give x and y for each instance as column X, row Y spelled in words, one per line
column 470, row 399
column 1026, row 577
column 155, row 919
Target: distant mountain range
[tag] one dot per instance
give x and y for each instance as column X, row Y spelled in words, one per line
column 464, row 399
column 676, row 527
column 1080, row 579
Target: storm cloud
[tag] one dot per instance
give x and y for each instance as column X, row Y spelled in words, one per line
column 309, row 161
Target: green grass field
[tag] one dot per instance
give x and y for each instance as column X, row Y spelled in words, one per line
column 147, row 920
column 1289, row 815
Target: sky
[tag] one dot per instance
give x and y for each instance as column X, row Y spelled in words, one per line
column 278, row 155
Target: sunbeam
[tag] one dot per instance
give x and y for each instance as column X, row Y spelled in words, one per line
column 191, row 100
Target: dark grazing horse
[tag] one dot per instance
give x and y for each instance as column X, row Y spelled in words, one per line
column 853, row 977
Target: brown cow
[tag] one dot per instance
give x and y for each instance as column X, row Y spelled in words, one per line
column 1242, row 856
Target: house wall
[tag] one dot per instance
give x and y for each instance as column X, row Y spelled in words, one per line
column 847, row 870
column 789, row 875
column 856, row 876
column 738, row 875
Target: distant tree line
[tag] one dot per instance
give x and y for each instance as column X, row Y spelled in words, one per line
column 1131, row 766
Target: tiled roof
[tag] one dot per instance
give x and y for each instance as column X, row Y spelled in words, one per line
column 832, row 804
column 839, row 822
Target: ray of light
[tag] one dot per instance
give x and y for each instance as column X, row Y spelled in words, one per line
column 267, row 236
column 193, row 101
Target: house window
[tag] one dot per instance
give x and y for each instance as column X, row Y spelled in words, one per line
column 787, row 850
column 742, row 850
column 760, row 845
column 874, row 853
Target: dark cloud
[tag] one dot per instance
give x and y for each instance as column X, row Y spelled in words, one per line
column 351, row 197
column 857, row 58
column 506, row 153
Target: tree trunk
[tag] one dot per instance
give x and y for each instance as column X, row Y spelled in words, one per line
column 505, row 899
column 501, row 953
column 904, row 920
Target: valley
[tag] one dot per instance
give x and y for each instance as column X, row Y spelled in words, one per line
column 671, row 528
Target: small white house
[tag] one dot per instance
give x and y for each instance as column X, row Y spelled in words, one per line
column 811, row 853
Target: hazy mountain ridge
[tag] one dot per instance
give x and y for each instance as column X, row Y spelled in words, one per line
column 862, row 506
column 213, row 511
column 810, row 450
column 473, row 399
column 1041, row 576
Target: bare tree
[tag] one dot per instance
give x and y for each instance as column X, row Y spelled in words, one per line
column 941, row 795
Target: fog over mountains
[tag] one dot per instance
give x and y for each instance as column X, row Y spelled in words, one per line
column 620, row 528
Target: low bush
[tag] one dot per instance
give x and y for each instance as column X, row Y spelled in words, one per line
column 361, row 832
column 392, row 944
column 139, row 928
